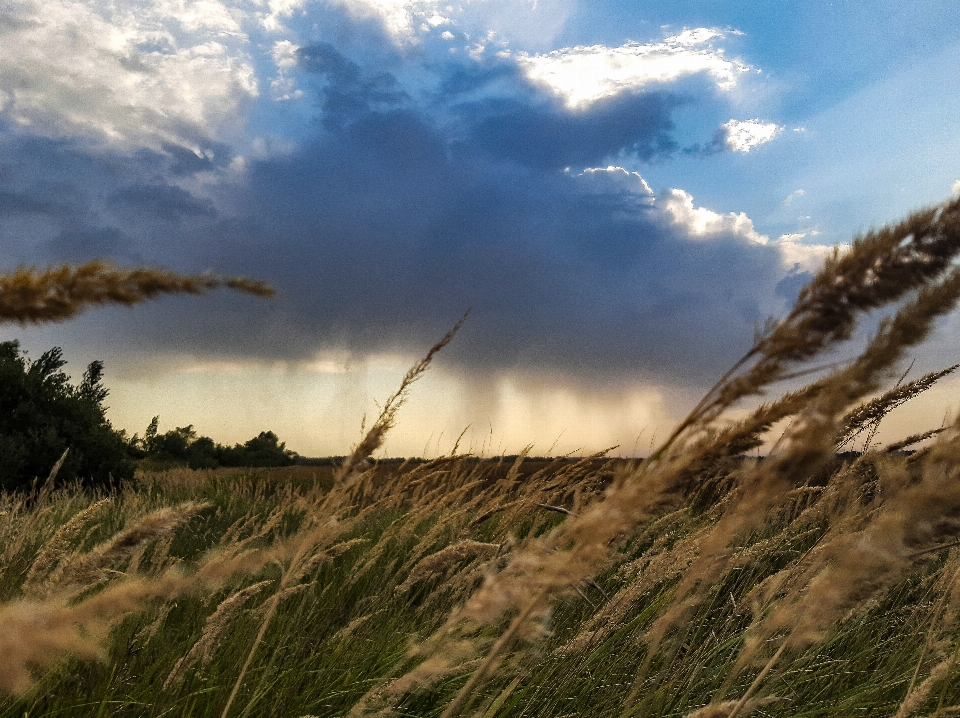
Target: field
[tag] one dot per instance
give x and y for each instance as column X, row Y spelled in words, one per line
column 371, row 597
column 817, row 581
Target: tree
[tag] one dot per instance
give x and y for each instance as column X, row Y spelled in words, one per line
column 266, row 449
column 42, row 415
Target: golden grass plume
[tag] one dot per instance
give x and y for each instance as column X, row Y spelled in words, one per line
column 29, row 295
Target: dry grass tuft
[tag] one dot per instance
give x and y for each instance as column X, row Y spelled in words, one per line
column 80, row 571
column 29, row 295
column 216, row 626
column 56, row 548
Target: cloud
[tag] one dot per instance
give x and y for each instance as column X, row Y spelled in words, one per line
column 543, row 135
column 626, row 191
column 743, row 136
column 789, row 287
column 278, row 12
column 381, row 230
column 81, row 243
column 284, row 55
column 125, row 75
column 61, row 202
column 399, row 17
column 348, row 93
column 405, row 202
column 407, row 23
column 162, row 202
column 802, row 256
column 793, row 196
column 584, row 75
column 703, row 223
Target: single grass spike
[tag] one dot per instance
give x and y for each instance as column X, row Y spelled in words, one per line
column 869, row 414
column 214, row 630
column 32, row 296
column 373, row 439
column 344, row 475
column 557, row 509
column 57, row 546
column 914, row 439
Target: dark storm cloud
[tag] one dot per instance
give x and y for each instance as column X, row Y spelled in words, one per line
column 162, row 202
column 399, row 213
column 547, row 136
column 12, row 203
column 381, row 230
column 174, row 161
column 348, row 94
column 60, row 202
column 83, row 243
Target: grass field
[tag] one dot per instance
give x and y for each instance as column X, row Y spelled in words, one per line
column 697, row 582
column 378, row 595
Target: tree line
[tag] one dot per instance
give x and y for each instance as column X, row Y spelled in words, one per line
column 183, row 446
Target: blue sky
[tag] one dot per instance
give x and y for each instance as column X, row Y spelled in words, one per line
column 620, row 190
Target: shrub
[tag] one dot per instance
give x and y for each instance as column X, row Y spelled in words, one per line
column 42, row 415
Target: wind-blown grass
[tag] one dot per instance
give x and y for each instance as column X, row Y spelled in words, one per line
column 697, row 582
column 29, row 295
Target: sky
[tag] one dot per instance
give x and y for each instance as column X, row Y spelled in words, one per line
column 620, row 191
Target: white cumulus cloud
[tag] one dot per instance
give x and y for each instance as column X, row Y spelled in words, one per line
column 703, row 223
column 743, row 136
column 284, row 55
column 582, row 75
column 678, row 208
column 278, row 11
column 128, row 74
column 399, row 17
column 617, row 181
column 282, row 86
column 796, row 253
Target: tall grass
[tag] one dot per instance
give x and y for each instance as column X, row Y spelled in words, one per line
column 697, row 582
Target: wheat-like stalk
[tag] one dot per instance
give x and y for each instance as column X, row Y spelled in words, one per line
column 869, row 414
column 56, row 547
column 374, row 437
column 29, row 295
column 213, row 632
column 349, row 479
column 84, row 569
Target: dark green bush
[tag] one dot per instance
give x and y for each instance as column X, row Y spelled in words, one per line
column 42, row 415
